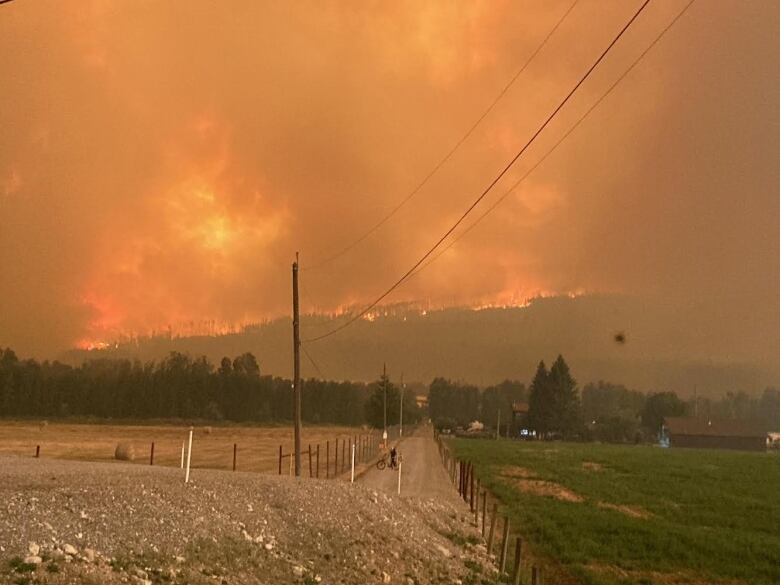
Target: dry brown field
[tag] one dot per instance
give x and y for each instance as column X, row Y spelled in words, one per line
column 257, row 447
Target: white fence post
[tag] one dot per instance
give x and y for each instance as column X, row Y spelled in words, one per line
column 400, row 464
column 352, row 480
column 189, row 458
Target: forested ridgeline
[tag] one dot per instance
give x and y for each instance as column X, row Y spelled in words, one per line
column 178, row 386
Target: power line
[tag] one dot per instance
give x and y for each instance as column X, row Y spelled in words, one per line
column 492, row 183
column 449, row 154
column 655, row 41
column 311, row 359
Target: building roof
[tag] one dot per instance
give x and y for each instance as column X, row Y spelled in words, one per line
column 518, row 407
column 679, row 425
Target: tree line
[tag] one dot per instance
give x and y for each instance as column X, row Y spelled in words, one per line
column 183, row 387
column 601, row 411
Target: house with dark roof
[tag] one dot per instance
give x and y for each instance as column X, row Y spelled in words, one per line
column 705, row 433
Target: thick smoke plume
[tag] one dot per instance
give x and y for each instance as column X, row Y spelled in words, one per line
column 161, row 162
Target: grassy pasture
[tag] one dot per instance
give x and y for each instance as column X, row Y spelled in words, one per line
column 212, row 447
column 642, row 515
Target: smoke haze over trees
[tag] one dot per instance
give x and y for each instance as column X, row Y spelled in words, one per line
column 183, row 387
column 487, row 346
column 151, row 153
column 602, row 411
column 177, row 387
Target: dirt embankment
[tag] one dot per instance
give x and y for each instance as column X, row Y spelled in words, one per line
column 67, row 522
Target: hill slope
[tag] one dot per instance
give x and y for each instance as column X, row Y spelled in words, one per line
column 664, row 349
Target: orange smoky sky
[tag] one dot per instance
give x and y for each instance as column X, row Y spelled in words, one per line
column 161, row 162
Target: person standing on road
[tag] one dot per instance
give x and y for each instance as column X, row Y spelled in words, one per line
column 393, row 458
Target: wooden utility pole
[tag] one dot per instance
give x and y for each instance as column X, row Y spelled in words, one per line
column 296, row 368
column 401, row 416
column 384, row 387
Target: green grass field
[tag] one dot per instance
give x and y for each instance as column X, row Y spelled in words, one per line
column 636, row 514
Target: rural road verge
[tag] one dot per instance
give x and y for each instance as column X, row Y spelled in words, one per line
column 75, row 522
column 422, row 474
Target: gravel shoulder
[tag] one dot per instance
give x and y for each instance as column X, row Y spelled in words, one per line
column 76, row 522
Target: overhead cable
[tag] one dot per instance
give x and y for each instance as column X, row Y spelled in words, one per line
column 655, row 41
column 490, row 186
column 449, row 154
column 311, row 359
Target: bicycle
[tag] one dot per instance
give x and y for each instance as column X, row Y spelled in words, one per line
column 382, row 463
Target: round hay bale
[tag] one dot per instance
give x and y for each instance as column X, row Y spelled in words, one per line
column 124, row 452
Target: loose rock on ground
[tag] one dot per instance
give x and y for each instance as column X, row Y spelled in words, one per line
column 73, row 522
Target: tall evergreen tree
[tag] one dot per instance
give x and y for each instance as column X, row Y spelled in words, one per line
column 375, row 407
column 567, row 400
column 541, row 405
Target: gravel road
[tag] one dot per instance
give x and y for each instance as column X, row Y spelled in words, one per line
column 422, row 474
column 75, row 522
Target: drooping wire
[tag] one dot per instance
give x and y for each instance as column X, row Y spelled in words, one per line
column 449, row 153
column 574, row 126
column 490, row 186
column 311, row 359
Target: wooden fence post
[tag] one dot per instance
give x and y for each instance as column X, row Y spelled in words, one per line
column 336, row 459
column 235, row 449
column 471, row 503
column 492, row 528
column 469, row 473
column 318, row 461
column 151, row 455
column 37, row 451
column 536, row 576
column 504, row 545
column 327, row 459
column 518, row 556
column 280, row 460
column 343, row 453
column 484, row 512
column 475, row 506
column 311, row 472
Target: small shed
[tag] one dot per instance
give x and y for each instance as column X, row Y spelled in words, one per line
column 705, row 433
